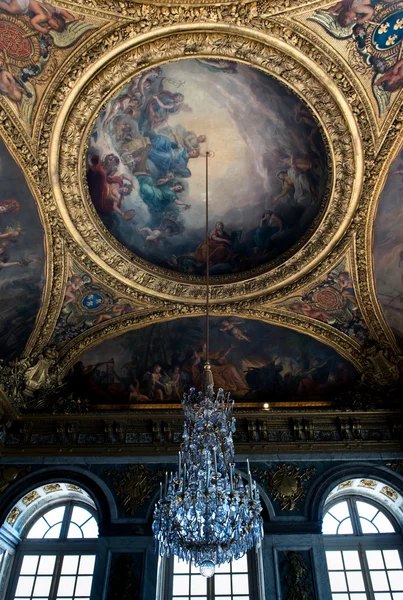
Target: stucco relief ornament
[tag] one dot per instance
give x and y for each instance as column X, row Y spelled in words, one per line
column 285, row 484
column 134, row 486
column 381, row 367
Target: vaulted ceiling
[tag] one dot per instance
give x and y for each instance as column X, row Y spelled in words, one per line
column 107, row 111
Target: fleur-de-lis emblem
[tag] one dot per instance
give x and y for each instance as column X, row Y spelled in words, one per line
column 98, row 301
column 91, row 297
column 384, row 28
column 398, row 25
column 90, row 304
column 391, row 40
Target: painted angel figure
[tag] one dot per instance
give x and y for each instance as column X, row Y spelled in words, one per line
column 230, row 326
column 43, row 16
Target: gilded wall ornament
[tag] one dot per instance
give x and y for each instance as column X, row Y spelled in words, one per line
column 389, row 493
column 368, row 483
column 31, row 497
column 134, row 486
column 13, row 516
column 285, row 484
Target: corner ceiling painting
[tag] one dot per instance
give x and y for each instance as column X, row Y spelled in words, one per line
column 388, row 249
column 254, row 361
column 146, row 166
column 21, row 258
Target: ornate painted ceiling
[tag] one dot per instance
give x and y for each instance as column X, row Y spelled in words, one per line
column 107, row 110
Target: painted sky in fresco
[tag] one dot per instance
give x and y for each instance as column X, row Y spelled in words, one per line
column 21, row 258
column 388, row 248
column 146, row 166
column 255, row 361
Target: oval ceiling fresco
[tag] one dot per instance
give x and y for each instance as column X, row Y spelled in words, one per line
column 388, row 249
column 147, row 167
column 255, row 361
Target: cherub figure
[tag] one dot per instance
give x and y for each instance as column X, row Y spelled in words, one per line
column 348, row 11
column 9, row 86
column 74, row 283
column 392, row 80
column 167, row 228
column 231, row 327
column 43, row 16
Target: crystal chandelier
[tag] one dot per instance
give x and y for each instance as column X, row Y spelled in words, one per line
column 205, row 513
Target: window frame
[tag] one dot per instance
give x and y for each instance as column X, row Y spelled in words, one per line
column 361, row 542
column 63, row 546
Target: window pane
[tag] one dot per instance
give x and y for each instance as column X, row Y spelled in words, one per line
column 340, row 597
column 396, row 581
column 351, row 560
column 329, row 525
column 181, row 585
column 87, row 565
column 383, row 596
column 198, row 584
column 340, row 511
column 392, row 559
column 70, row 565
column 398, row 596
column 54, row 532
column 240, row 565
column 74, row 532
column 379, row 581
column 90, row 529
column 222, row 584
column 366, row 510
column 25, row 585
column 83, row 587
column 80, row 515
column 345, row 527
column 180, row 566
column 240, row 584
column 66, row 586
column 355, row 581
column 29, row 565
column 334, row 561
column 42, row 586
column 368, row 527
column 383, row 524
column 47, row 565
column 374, row 558
column 38, row 530
column 55, row 515
column 337, row 581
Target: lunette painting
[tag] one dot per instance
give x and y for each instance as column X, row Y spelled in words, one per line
column 388, row 249
column 146, row 166
column 255, row 361
column 22, row 258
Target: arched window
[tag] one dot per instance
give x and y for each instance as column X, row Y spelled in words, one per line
column 363, row 541
column 55, row 557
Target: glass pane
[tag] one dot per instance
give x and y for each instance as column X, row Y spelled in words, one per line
column 222, row 584
column 366, row 510
column 340, row 510
column 224, row 568
column 90, row 529
column 55, row 515
column 374, row 558
column 29, row 565
column 74, row 532
column 70, row 565
column 345, row 527
column 340, row 597
column 334, row 561
column 198, row 584
column 38, row 530
column 47, row 565
column 66, row 586
column 24, row 587
column 379, row 581
column 42, row 586
column 396, row 581
column 358, row 597
column 355, row 581
column 181, row 585
column 337, row 581
column 329, row 525
column 392, row 559
column 83, row 587
column 383, row 596
column 240, row 565
column 80, row 515
column 351, row 560
column 180, row 566
column 383, row 524
column 240, row 584
column 368, row 527
column 87, row 565
column 54, row 532
column 398, row 596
